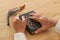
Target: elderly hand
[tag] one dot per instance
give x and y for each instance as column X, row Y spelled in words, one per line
column 19, row 25
column 45, row 22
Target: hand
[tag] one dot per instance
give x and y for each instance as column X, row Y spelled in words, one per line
column 45, row 22
column 20, row 25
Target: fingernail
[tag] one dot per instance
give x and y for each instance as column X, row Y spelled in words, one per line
column 36, row 32
column 41, row 18
column 23, row 18
column 17, row 17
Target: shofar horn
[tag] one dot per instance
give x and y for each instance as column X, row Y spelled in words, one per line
column 14, row 11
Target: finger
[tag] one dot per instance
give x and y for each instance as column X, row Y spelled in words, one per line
column 34, row 17
column 23, row 19
column 37, row 19
column 41, row 19
column 44, row 20
column 35, row 14
column 17, row 18
column 40, row 29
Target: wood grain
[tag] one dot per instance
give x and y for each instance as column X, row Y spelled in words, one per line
column 48, row 8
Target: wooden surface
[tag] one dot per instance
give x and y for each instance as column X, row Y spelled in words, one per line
column 48, row 8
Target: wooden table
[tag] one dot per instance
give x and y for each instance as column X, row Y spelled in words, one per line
column 48, row 8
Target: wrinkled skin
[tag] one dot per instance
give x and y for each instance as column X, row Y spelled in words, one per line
column 19, row 25
column 45, row 22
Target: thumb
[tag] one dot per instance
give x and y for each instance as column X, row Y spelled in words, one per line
column 23, row 20
column 16, row 18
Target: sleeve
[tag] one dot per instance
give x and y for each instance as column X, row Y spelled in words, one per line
column 57, row 27
column 19, row 36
